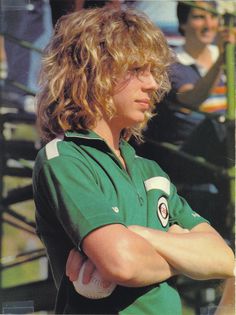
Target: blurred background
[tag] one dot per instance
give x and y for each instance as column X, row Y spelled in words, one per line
column 26, row 284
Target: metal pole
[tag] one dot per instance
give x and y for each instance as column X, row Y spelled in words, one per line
column 229, row 21
column 2, row 159
column 230, row 70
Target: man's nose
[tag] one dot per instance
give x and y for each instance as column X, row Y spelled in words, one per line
column 209, row 21
column 150, row 82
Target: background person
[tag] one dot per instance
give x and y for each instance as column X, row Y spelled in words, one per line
column 23, row 63
column 198, row 82
column 227, row 302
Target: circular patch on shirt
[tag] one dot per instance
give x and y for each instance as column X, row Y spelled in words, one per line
column 162, row 211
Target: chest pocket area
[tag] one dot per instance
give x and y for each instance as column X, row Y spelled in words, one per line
column 158, row 191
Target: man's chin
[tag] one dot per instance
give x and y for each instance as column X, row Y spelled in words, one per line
column 207, row 39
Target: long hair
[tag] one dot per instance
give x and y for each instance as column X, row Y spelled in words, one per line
column 88, row 52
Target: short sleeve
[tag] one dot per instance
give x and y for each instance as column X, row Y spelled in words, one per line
column 182, row 74
column 74, row 197
column 181, row 213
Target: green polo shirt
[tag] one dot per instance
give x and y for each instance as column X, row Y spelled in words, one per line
column 80, row 185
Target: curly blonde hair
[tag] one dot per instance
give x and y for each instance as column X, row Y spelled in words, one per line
column 89, row 50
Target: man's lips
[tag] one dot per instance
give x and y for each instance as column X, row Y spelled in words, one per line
column 208, row 32
column 144, row 102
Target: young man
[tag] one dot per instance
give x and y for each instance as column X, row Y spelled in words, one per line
column 198, row 81
column 102, row 71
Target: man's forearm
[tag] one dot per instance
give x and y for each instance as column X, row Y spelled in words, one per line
column 126, row 258
column 227, row 302
column 194, row 97
column 149, row 271
column 197, row 254
column 154, row 269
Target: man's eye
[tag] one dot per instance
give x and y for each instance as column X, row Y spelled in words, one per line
column 198, row 16
column 214, row 15
column 137, row 69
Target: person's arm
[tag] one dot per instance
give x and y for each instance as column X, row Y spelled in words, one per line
column 124, row 257
column 227, row 302
column 200, row 254
column 87, row 217
column 193, row 95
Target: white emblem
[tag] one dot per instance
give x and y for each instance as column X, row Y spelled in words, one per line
column 158, row 182
column 162, row 211
column 115, row 209
column 194, row 214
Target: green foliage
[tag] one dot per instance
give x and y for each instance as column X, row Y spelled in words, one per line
column 21, row 274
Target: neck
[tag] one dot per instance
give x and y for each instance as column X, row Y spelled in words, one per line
column 109, row 133
column 200, row 53
column 195, row 49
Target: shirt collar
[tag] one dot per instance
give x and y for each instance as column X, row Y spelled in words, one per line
column 127, row 150
column 83, row 134
column 188, row 60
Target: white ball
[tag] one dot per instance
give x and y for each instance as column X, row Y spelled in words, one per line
column 94, row 289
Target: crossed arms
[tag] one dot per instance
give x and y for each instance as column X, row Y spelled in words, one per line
column 138, row 256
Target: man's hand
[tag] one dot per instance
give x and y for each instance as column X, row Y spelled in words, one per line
column 225, row 35
column 73, row 266
column 177, row 229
